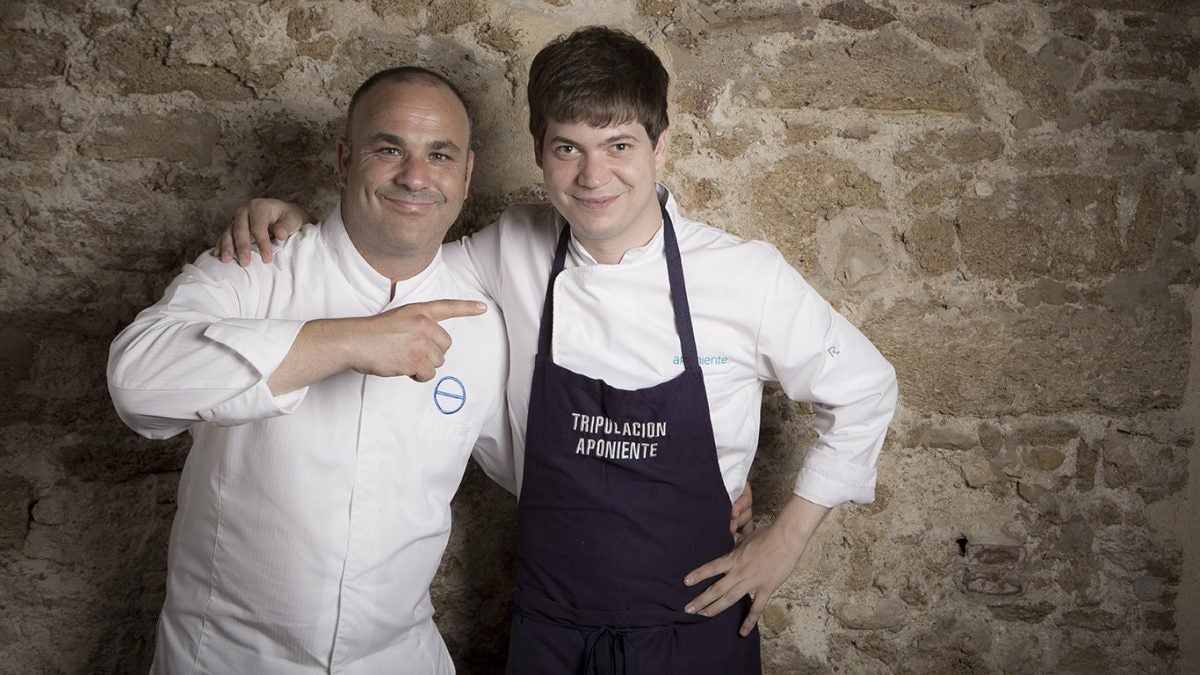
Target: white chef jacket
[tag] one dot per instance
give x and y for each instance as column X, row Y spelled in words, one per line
column 309, row 525
column 755, row 317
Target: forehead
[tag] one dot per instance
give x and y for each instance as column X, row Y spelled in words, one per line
column 413, row 107
column 583, row 131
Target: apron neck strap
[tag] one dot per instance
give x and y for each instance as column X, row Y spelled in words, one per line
column 679, row 300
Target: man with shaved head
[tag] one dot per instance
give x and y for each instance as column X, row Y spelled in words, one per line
column 334, row 395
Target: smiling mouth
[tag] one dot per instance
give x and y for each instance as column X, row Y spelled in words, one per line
column 595, row 203
column 415, row 205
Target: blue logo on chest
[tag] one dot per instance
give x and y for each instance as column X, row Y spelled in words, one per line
column 449, row 395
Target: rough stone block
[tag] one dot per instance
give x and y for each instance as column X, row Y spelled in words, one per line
column 16, row 495
column 132, row 59
column 1044, row 459
column 179, row 136
column 988, row 581
column 931, row 242
column 1155, row 470
column 1148, row 588
column 946, row 438
column 805, row 190
column 1008, row 234
column 17, row 351
column 655, row 7
column 936, row 149
column 1046, row 156
column 1032, row 80
column 1074, row 21
column 1091, row 619
column 884, row 72
column 1045, row 431
column 1041, row 499
column 389, row 8
column 871, row 613
column 1024, row 120
column 856, row 14
column 1034, row 613
column 1064, row 59
column 1161, row 621
column 304, row 24
column 1086, row 461
column 1139, row 110
column 995, row 554
column 446, row 15
column 991, row 438
column 776, row 619
column 30, row 147
column 1042, row 361
column 944, row 32
column 1155, row 55
column 1048, row 292
column 29, row 116
column 979, row 471
column 30, row 59
column 933, row 192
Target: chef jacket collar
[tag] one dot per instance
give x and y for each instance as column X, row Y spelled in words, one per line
column 372, row 287
column 652, row 250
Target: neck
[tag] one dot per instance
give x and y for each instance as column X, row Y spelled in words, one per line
column 394, row 263
column 398, row 269
column 610, row 250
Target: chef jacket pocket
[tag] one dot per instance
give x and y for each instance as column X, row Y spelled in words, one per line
column 444, row 435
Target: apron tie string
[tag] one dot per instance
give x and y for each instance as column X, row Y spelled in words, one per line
column 605, row 654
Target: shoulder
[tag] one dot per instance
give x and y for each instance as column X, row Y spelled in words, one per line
column 285, row 255
column 529, row 223
column 702, row 242
column 457, row 276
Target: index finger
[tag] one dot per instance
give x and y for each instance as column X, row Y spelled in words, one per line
column 439, row 310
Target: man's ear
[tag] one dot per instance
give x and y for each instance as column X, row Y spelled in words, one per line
column 537, row 153
column 470, row 168
column 343, row 161
column 660, row 149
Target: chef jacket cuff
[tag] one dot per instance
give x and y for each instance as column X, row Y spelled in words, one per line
column 263, row 343
column 256, row 403
column 829, row 481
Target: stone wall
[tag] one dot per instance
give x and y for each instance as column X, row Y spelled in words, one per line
column 1003, row 195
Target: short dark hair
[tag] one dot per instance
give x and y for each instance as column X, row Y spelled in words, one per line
column 601, row 76
column 401, row 75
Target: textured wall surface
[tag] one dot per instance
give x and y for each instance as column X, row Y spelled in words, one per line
column 1003, row 195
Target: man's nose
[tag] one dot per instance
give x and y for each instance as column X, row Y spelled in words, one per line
column 593, row 172
column 413, row 174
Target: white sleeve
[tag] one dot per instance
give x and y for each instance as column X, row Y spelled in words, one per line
column 481, row 253
column 494, row 448
column 198, row 354
column 494, row 451
column 818, row 356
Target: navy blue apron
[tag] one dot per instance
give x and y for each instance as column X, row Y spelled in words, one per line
column 622, row 496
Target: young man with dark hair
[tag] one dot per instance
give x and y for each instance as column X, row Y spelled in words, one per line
column 314, row 505
column 640, row 342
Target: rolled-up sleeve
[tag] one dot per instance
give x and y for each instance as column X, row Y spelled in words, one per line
column 199, row 355
column 817, row 355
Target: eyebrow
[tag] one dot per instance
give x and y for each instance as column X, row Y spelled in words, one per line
column 440, row 144
column 615, row 138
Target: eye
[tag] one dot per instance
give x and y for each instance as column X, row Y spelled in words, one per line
column 565, row 149
column 389, row 151
column 621, row 147
column 440, row 157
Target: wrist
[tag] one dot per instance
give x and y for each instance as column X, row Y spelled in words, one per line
column 799, row 519
column 334, row 339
